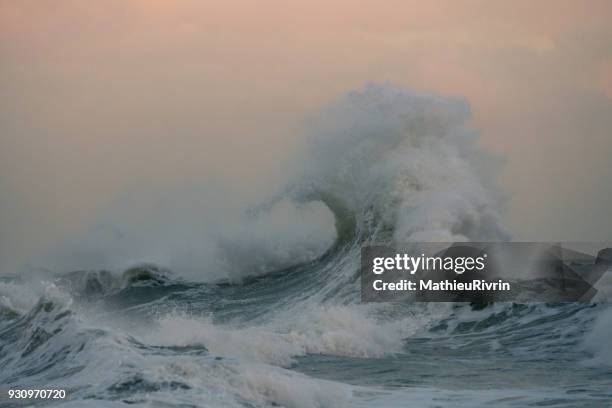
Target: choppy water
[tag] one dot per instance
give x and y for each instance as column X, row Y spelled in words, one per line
column 244, row 345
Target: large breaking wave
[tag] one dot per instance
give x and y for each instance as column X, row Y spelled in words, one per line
column 221, row 305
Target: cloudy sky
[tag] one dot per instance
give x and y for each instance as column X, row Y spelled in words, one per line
column 98, row 96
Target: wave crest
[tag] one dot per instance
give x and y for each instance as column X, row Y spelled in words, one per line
column 406, row 165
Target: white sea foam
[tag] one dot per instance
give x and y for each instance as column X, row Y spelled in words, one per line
column 332, row 334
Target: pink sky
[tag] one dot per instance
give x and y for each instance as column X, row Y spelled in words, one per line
column 96, row 96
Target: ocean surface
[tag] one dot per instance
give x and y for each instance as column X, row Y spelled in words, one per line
column 277, row 321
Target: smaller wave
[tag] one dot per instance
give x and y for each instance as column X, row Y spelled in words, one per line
column 326, row 330
column 90, row 284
